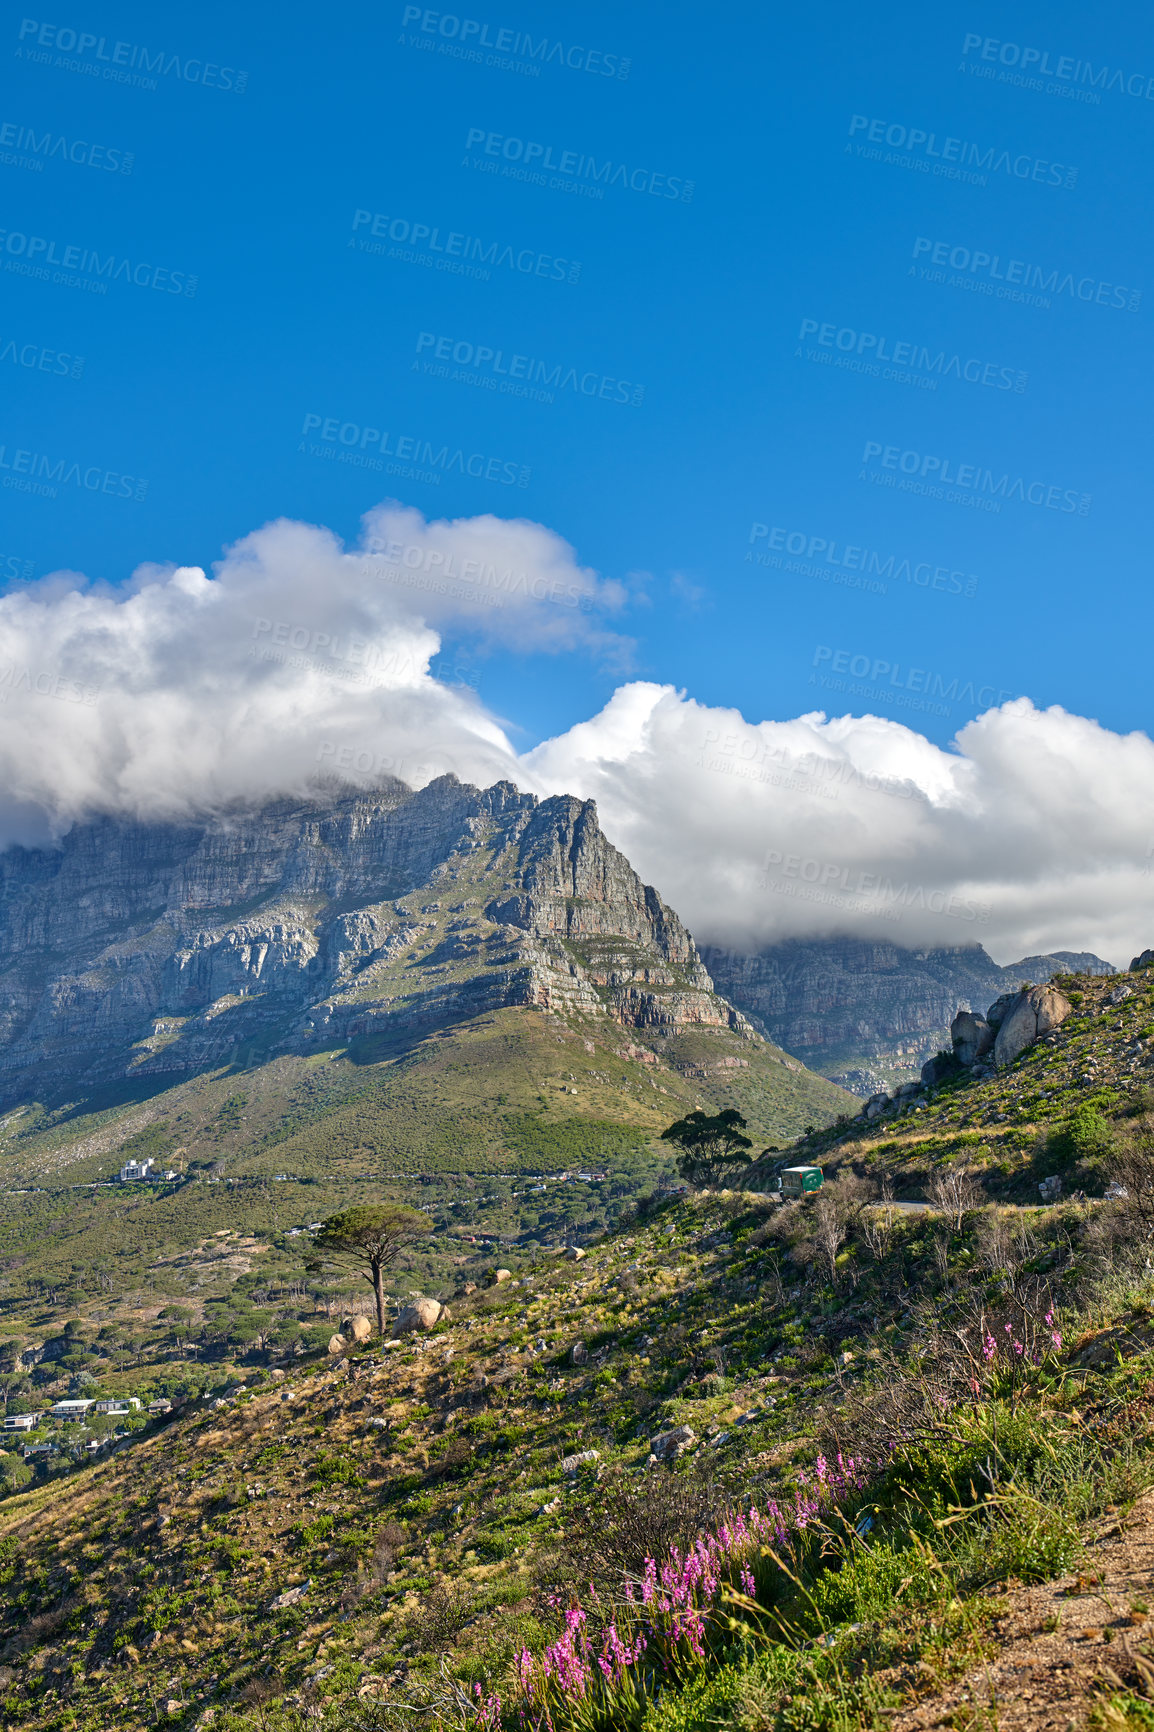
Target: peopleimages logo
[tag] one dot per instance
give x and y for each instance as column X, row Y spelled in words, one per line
column 31, row 255
column 1066, row 66
column 941, row 472
column 873, row 348
column 429, row 568
column 521, row 375
column 1021, row 279
column 891, row 567
column 367, row 448
column 956, row 158
column 36, row 358
column 468, row 35
column 892, row 678
column 121, row 62
column 575, row 165
column 33, row 472
column 54, row 146
column 832, row 877
column 461, row 254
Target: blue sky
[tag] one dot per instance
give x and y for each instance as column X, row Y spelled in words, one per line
column 817, row 277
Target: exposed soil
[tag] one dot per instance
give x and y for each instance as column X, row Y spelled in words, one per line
column 1061, row 1647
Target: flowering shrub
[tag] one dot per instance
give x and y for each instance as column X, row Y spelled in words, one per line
column 1002, row 1355
column 600, row 1665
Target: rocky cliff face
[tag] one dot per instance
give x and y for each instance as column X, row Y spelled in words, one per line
column 868, row 1013
column 135, row 949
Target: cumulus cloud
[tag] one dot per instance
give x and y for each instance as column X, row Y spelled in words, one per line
column 182, row 692
column 1035, row 832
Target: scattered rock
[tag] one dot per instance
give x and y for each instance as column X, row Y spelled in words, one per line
column 470, row 1287
column 876, row 1106
column 1050, row 1189
column 1119, row 995
column 421, row 1314
column 290, row 1597
column 337, row 1343
column 668, row 1445
column 1034, row 1012
column 972, row 1037
column 906, row 1093
column 573, row 1463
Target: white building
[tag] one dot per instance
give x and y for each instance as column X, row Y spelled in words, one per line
column 135, row 1170
column 20, row 1421
column 119, row 1404
column 71, row 1409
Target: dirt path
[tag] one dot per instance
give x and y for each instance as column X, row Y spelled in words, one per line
column 1061, row 1645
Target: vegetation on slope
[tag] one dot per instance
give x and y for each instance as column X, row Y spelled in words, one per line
column 376, row 1542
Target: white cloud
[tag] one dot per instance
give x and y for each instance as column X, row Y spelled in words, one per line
column 1036, row 833
column 181, row 692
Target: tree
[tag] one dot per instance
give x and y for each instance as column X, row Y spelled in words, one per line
column 956, row 1192
column 709, row 1145
column 371, row 1237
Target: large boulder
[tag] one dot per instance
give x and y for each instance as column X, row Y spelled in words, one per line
column 971, row 1037
column 997, row 1011
column 337, row 1344
column 357, row 1329
column 421, row 1314
column 876, row 1106
column 1035, row 1011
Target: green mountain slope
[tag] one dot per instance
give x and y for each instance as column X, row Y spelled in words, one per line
column 352, row 1540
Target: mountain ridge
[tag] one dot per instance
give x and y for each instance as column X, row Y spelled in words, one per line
column 867, row 1013
column 357, row 920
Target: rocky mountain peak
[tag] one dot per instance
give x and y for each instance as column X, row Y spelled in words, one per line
column 135, row 948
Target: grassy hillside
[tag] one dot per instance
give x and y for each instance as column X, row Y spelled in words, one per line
column 488, row 1127
column 930, row 1413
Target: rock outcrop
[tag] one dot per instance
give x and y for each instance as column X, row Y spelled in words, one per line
column 1034, row 1012
column 972, row 1037
column 137, row 949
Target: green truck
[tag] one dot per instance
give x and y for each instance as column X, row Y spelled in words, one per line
column 800, row 1182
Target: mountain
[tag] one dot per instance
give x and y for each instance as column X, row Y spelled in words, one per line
column 867, row 1013
column 137, row 955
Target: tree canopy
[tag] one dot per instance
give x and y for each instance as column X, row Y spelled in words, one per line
column 371, row 1236
column 709, row 1145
